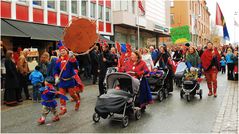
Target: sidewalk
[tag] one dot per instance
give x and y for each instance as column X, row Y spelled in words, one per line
column 228, row 117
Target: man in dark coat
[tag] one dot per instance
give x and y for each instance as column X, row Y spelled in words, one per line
column 105, row 60
column 94, row 54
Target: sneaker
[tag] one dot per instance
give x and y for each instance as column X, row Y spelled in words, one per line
column 41, row 120
column 63, row 111
column 56, row 118
column 77, row 106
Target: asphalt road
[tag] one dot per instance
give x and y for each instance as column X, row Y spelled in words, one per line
column 172, row 115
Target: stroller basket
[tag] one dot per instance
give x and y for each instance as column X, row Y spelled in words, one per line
column 189, row 84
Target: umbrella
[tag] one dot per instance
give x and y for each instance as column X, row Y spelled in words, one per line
column 80, row 36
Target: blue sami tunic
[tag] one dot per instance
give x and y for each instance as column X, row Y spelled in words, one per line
column 48, row 96
column 66, row 78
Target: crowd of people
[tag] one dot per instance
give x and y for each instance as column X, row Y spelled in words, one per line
column 64, row 67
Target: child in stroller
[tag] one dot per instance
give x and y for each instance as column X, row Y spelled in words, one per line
column 156, row 80
column 119, row 100
column 191, row 84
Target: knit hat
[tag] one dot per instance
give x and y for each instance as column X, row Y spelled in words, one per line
column 61, row 46
column 187, row 44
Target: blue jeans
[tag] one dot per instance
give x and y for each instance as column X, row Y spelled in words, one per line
column 36, row 92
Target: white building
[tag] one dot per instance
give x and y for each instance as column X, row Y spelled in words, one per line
column 153, row 24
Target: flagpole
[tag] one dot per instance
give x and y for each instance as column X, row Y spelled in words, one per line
column 235, row 28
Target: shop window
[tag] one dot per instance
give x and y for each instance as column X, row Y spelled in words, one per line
column 74, row 6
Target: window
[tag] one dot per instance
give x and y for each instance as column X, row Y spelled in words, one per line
column 124, row 5
column 92, row 10
column 200, row 9
column 83, row 7
column 172, row 18
column 37, row 2
column 107, row 14
column 133, row 6
column 100, row 13
column 74, row 6
column 51, row 4
column 63, row 5
column 171, row 3
column 22, row 1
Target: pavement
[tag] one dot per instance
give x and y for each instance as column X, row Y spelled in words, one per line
column 227, row 120
column 173, row 115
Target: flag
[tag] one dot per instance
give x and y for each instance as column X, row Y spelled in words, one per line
column 221, row 21
column 140, row 5
column 118, row 46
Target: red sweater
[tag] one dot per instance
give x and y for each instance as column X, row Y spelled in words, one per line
column 207, row 57
column 139, row 68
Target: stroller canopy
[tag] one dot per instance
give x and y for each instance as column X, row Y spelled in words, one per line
column 124, row 80
column 181, row 67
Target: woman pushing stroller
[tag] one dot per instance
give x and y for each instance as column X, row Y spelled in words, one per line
column 193, row 60
column 136, row 67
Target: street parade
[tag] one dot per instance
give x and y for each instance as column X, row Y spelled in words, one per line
column 79, row 80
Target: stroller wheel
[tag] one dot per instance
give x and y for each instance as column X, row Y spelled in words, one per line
column 166, row 92
column 188, row 98
column 96, row 117
column 125, row 121
column 200, row 93
column 137, row 114
column 181, row 93
column 160, row 95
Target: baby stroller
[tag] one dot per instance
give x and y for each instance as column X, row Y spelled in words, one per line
column 119, row 101
column 158, row 85
column 109, row 71
column 191, row 85
column 181, row 69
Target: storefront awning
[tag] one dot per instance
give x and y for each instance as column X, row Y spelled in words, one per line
column 9, row 30
column 38, row 31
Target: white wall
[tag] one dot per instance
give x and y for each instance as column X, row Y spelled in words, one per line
column 156, row 11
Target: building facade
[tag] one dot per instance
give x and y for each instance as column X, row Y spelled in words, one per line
column 140, row 29
column 51, row 13
column 195, row 14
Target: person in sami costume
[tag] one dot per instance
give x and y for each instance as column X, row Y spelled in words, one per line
column 49, row 104
column 64, row 76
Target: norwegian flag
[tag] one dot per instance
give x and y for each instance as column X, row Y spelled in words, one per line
column 140, row 5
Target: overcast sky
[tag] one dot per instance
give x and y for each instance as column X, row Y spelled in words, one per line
column 228, row 8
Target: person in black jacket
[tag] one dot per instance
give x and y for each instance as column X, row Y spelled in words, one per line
column 94, row 54
column 178, row 54
column 12, row 91
column 105, row 60
column 163, row 62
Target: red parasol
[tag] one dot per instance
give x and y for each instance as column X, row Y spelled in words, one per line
column 80, row 35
